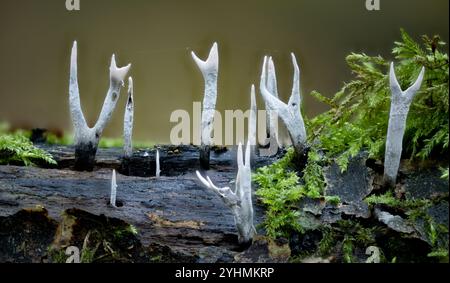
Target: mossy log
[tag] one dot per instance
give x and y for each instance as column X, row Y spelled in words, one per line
column 178, row 220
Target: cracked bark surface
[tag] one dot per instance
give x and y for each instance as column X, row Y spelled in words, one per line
column 173, row 212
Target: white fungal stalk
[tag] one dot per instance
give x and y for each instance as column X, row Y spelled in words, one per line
column 210, row 72
column 400, row 104
column 112, row 199
column 158, row 168
column 86, row 138
column 290, row 113
column 252, row 118
column 239, row 200
column 271, row 116
column 252, row 121
column 128, row 121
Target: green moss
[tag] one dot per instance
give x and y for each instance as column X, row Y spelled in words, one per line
column 56, row 256
column 390, row 200
column 18, row 149
column 417, row 212
column 280, row 192
column 444, row 174
column 313, row 176
column 440, row 254
column 347, row 234
column 359, row 112
column 121, row 233
column 347, row 249
column 88, row 255
column 133, row 230
column 280, row 189
column 334, row 200
column 156, row 259
column 327, row 243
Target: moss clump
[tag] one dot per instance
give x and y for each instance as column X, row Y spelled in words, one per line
column 17, row 149
column 280, row 189
column 56, row 256
column 327, row 243
column 444, row 174
column 440, row 254
column 359, row 113
column 417, row 213
column 345, row 237
column 388, row 199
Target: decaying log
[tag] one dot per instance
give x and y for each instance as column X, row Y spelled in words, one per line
column 171, row 211
column 174, row 160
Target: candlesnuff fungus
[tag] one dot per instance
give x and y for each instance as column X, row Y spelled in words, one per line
column 271, row 116
column 128, row 121
column 112, row 200
column 290, row 113
column 86, row 138
column 239, row 200
column 400, row 103
column 158, row 168
column 252, row 118
column 210, row 72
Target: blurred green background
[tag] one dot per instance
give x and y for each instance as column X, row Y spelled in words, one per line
column 156, row 36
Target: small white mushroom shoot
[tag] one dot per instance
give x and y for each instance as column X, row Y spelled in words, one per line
column 86, row 138
column 400, row 104
column 112, row 200
column 158, row 166
column 239, row 200
column 128, row 121
column 210, row 72
column 289, row 113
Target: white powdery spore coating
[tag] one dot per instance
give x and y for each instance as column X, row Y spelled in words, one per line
column 83, row 133
column 240, row 200
column 210, row 72
column 112, row 200
column 128, row 120
column 252, row 121
column 400, row 104
column 289, row 113
column 271, row 116
column 158, row 166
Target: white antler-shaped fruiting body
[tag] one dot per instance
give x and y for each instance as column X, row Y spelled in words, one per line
column 290, row 113
column 76, row 113
column 117, row 76
column 86, row 138
column 400, row 104
column 128, row 120
column 112, row 199
column 240, row 200
column 210, row 72
column 158, row 166
column 271, row 116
